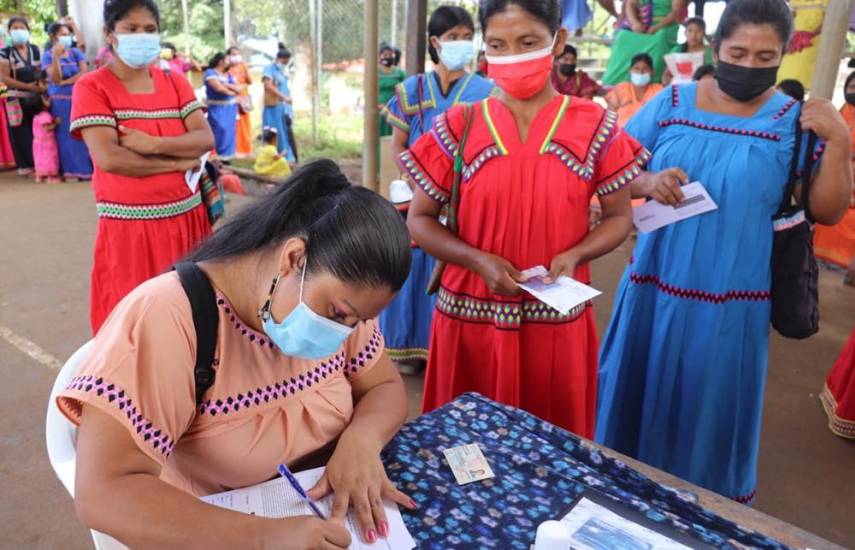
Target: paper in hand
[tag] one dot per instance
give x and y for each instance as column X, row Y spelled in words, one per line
column 562, row 295
column 192, row 177
column 468, row 464
column 652, row 215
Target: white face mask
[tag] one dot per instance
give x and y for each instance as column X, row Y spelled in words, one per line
column 236, row 59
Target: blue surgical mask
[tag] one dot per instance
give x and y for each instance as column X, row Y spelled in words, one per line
column 19, row 36
column 137, row 49
column 65, row 41
column 303, row 333
column 455, row 55
column 640, row 79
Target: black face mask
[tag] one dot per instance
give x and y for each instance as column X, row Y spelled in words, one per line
column 744, row 83
column 386, row 61
column 567, row 69
column 850, row 97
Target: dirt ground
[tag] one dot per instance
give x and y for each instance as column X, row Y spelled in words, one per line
column 807, row 475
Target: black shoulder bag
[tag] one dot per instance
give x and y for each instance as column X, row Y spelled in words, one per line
column 206, row 320
column 795, row 275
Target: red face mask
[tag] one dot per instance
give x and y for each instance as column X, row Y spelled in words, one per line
column 521, row 76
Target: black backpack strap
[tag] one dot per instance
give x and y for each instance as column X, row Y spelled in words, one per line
column 206, row 320
column 787, row 199
column 807, row 174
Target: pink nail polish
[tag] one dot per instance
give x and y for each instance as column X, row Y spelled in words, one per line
column 412, row 503
column 371, row 536
column 384, row 529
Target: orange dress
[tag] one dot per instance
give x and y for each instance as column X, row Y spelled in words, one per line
column 264, row 408
column 243, row 146
column 623, row 95
column 836, row 244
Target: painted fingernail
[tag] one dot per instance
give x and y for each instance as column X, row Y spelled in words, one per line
column 371, row 537
column 384, row 529
column 412, row 503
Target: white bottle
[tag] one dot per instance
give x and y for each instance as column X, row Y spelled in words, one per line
column 553, row 535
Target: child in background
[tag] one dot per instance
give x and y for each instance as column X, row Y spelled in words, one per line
column 45, row 151
column 269, row 162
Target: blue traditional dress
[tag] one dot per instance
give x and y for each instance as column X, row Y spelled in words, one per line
column 274, row 117
column 683, row 361
column 222, row 114
column 74, row 157
column 405, row 323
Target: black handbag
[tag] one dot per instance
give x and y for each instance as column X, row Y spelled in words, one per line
column 795, row 274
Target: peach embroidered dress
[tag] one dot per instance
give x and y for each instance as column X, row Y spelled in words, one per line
column 263, row 409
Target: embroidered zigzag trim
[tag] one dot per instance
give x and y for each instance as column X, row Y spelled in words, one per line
column 394, row 120
column 127, row 114
column 476, row 164
column 838, row 426
column 787, row 106
column 503, row 315
column 93, row 120
column 291, row 386
column 192, row 106
column 410, row 166
column 723, row 129
column 442, row 134
column 675, row 96
column 694, row 294
column 117, row 397
column 626, row 177
column 147, row 211
column 745, row 499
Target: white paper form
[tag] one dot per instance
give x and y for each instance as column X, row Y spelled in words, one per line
column 192, row 177
column 277, row 499
column 562, row 295
column 652, row 215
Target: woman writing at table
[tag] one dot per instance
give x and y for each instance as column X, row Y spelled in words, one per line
column 144, row 129
column 300, row 368
column 523, row 203
column 683, row 363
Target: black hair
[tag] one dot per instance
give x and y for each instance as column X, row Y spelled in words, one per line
column 755, row 12
column 569, row 48
column 385, row 47
column 641, row 57
column 699, row 21
column 53, row 28
column 116, row 10
column 442, row 20
column 848, row 80
column 547, row 12
column 397, row 60
column 792, row 88
column 169, row 46
column 283, row 53
column 350, row 231
column 231, row 49
column 216, row 60
column 268, row 133
column 703, row 71
column 17, row 19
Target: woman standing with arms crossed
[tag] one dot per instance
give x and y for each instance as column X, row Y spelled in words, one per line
column 145, row 129
column 65, row 65
column 222, row 92
column 532, row 162
column 19, row 67
column 411, row 112
column 683, row 362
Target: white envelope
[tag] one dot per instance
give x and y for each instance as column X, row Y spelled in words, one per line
column 652, row 215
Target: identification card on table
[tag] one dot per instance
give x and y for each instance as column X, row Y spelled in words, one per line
column 563, row 295
column 468, row 464
column 652, row 215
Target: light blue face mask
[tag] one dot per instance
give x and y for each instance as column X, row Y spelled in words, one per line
column 138, row 50
column 65, row 41
column 640, row 79
column 456, row 54
column 303, row 333
column 19, row 36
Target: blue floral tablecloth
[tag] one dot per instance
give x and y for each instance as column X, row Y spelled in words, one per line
column 540, row 470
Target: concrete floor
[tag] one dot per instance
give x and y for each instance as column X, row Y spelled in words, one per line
column 807, row 475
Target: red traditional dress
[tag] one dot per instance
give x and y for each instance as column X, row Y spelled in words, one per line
column 526, row 202
column 838, row 395
column 145, row 224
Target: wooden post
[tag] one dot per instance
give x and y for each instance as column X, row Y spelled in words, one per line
column 62, row 8
column 185, row 26
column 227, row 24
column 416, row 36
column 835, row 24
column 371, row 52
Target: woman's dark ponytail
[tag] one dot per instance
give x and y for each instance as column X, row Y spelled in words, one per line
column 350, row 231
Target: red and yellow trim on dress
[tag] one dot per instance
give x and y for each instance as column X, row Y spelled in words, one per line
column 838, row 426
column 502, row 315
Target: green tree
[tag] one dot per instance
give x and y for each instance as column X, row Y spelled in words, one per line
column 206, row 27
column 39, row 12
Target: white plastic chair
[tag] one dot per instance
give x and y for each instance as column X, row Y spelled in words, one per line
column 61, row 436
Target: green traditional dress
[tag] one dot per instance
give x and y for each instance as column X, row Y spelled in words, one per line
column 628, row 43
column 387, row 83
